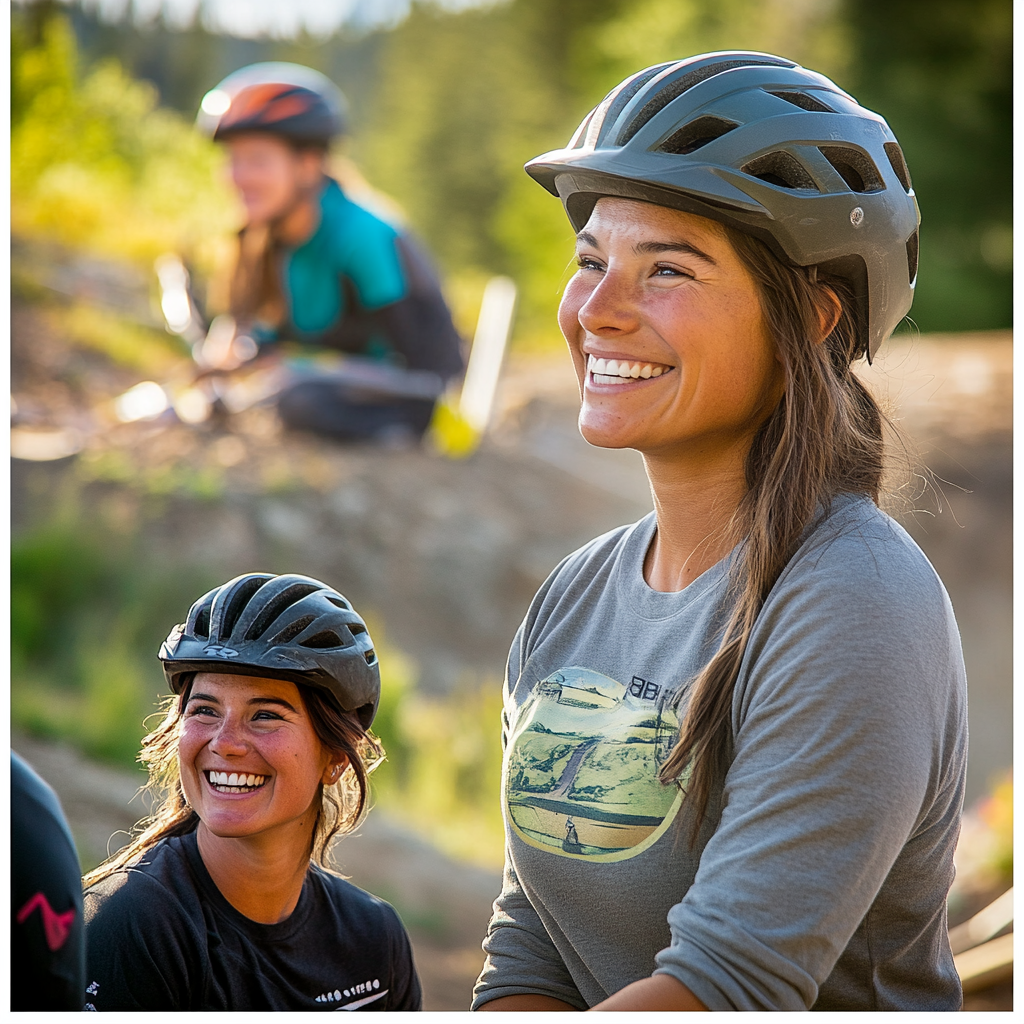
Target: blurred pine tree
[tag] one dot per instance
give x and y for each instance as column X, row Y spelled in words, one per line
column 942, row 76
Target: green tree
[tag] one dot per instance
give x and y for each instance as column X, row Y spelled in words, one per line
column 941, row 74
column 96, row 164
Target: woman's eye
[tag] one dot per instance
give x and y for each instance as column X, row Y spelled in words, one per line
column 586, row 263
column 266, row 716
column 201, row 709
column 665, row 271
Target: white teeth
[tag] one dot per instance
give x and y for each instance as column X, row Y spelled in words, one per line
column 235, row 780
column 613, row 371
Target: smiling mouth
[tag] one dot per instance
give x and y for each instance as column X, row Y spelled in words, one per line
column 234, row 782
column 617, row 371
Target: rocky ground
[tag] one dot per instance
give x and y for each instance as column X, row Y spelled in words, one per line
column 448, row 553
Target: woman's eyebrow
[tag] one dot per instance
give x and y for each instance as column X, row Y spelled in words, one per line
column 208, row 697
column 651, row 248
column 280, row 701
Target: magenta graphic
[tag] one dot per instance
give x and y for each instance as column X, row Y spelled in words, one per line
column 57, row 926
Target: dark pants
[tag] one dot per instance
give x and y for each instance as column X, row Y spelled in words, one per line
column 345, row 414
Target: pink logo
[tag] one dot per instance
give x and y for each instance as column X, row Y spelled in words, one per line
column 57, row 926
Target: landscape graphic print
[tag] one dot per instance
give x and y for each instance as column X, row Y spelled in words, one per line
column 581, row 776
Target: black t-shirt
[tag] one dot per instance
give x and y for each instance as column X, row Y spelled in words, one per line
column 162, row 937
column 47, row 950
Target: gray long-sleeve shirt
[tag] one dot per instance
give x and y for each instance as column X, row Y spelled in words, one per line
column 820, row 876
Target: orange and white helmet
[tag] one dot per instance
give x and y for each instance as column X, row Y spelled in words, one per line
column 289, row 100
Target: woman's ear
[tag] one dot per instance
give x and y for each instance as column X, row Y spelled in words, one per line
column 334, row 770
column 829, row 311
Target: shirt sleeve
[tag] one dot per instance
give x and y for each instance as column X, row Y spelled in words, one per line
column 369, row 258
column 845, row 745
column 521, row 958
column 141, row 949
column 47, row 945
column 405, row 993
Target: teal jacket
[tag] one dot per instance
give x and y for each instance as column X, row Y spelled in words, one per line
column 360, row 285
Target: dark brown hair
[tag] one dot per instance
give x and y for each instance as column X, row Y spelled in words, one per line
column 340, row 805
column 824, row 438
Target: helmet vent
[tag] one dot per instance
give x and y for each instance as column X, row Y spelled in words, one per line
column 339, row 602
column 239, row 599
column 855, row 168
column 370, row 656
column 899, row 165
column 202, row 626
column 356, row 628
column 581, row 133
column 291, row 631
column 676, row 88
column 322, row 640
column 913, row 242
column 782, row 169
column 627, row 91
column 277, row 605
column 696, row 134
column 804, row 101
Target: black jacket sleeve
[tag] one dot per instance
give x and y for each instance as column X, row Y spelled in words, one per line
column 47, row 931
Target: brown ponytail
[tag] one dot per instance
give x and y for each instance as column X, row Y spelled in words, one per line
column 255, row 291
column 823, row 439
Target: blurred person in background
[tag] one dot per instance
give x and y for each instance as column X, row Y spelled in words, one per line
column 735, row 731
column 47, row 930
column 317, row 268
column 226, row 901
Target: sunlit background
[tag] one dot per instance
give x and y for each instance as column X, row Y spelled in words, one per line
column 118, row 526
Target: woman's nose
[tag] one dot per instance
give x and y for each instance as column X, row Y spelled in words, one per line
column 229, row 739
column 611, row 307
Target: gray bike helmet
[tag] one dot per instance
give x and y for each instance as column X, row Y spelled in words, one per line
column 289, row 100
column 768, row 147
column 282, row 627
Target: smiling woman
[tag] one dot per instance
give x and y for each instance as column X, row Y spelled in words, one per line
column 224, row 901
column 665, row 290
column 735, row 731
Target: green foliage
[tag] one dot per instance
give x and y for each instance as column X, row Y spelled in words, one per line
column 95, row 164
column 125, row 343
column 443, row 769
column 53, row 571
column 942, row 78
column 88, row 612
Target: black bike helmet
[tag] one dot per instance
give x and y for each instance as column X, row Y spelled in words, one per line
column 768, row 147
column 282, row 627
column 289, row 100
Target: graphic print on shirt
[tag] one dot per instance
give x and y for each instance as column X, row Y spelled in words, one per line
column 581, row 773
